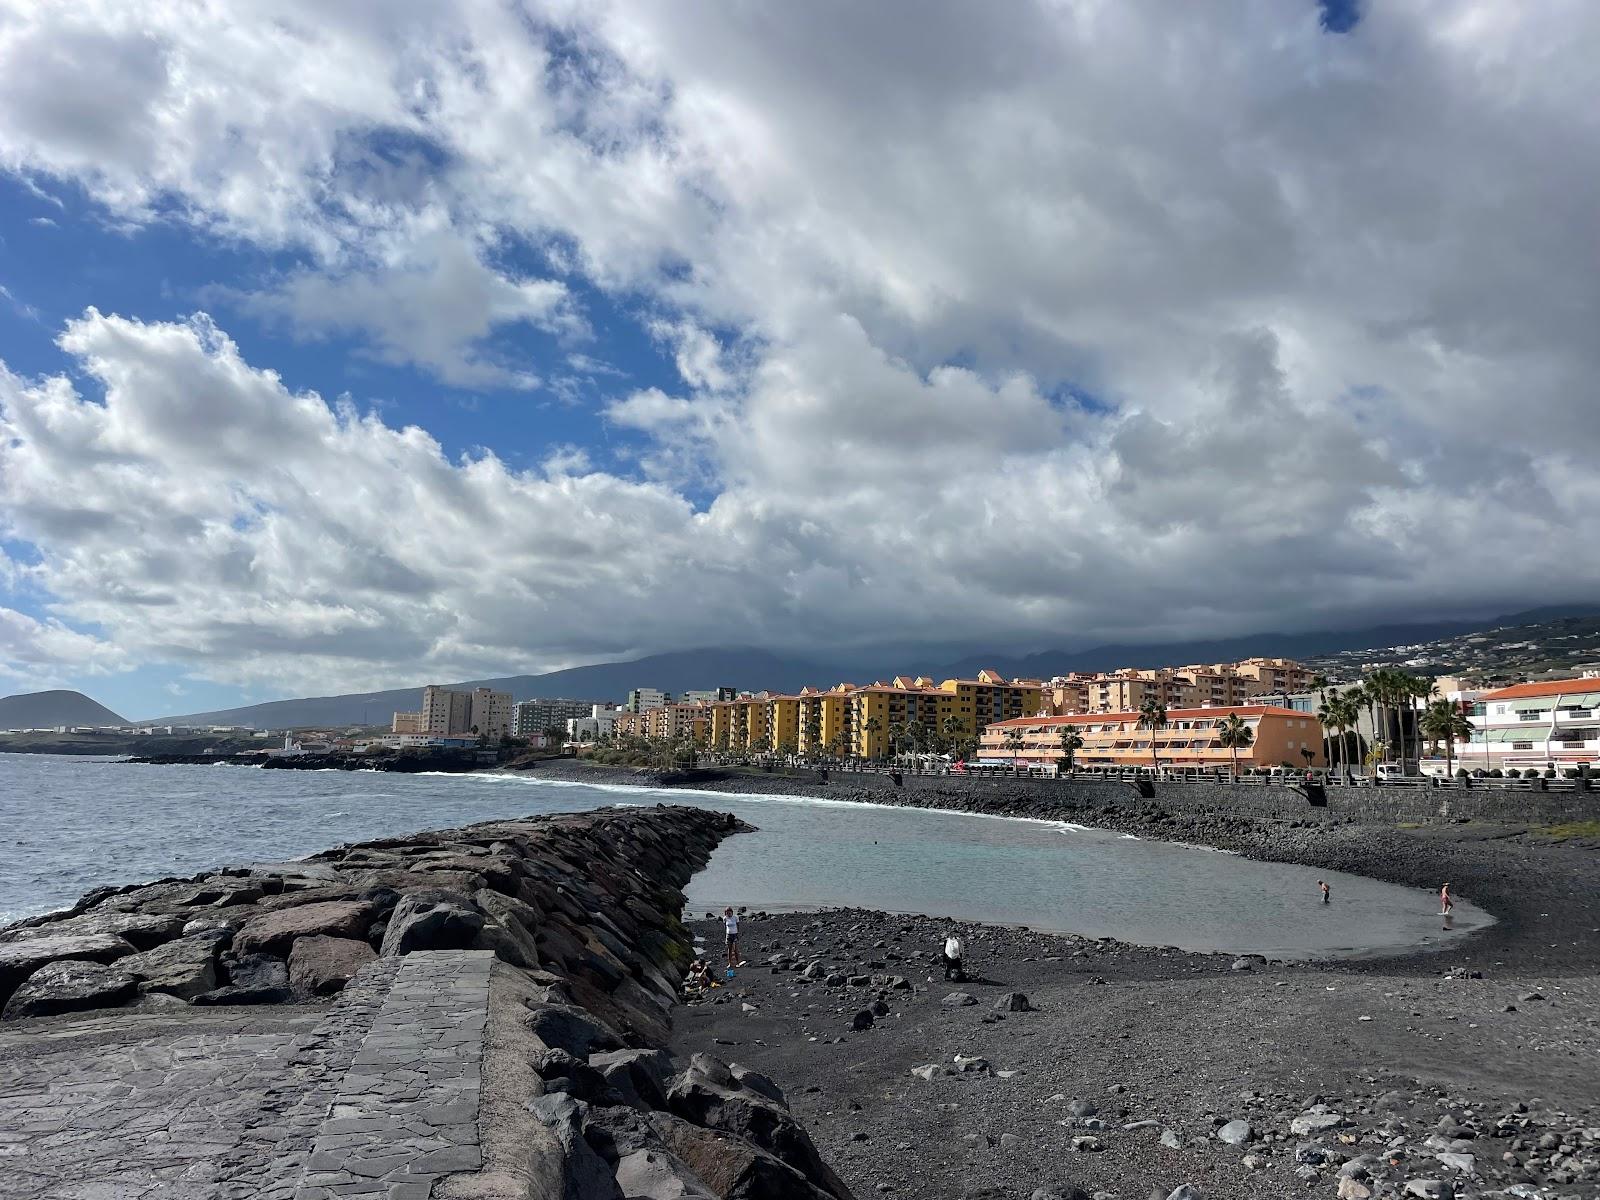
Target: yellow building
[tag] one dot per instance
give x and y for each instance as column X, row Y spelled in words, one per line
column 824, row 720
column 783, row 723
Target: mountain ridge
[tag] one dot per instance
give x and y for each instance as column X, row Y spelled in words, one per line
column 49, row 709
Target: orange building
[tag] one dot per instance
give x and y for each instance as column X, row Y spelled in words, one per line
column 1190, row 738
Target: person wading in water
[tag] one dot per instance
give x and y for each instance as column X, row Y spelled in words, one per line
column 1323, row 888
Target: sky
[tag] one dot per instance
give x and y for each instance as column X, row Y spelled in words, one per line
column 352, row 346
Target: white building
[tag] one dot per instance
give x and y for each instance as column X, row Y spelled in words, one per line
column 600, row 724
column 641, row 699
column 1555, row 723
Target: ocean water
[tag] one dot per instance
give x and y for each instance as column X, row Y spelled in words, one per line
column 70, row 824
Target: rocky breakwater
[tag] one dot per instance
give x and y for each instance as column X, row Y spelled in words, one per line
column 581, row 1098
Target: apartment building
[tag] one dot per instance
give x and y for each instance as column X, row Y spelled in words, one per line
column 1554, row 723
column 1190, row 738
column 640, row 699
column 861, row 720
column 1194, row 686
column 447, row 713
column 535, row 716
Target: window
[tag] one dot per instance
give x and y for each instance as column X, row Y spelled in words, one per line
column 1522, row 745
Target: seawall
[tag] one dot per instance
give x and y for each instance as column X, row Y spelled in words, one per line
column 476, row 1012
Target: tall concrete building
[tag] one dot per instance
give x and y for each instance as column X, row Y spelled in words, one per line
column 446, row 713
column 641, row 699
column 536, row 716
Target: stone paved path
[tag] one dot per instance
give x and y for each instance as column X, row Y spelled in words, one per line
column 269, row 1102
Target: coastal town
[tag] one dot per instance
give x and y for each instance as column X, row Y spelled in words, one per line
column 1258, row 714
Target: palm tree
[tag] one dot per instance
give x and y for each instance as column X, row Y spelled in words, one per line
column 1236, row 736
column 1328, row 717
column 1443, row 721
column 1152, row 716
column 897, row 734
column 813, row 732
column 872, row 725
column 1014, row 744
column 1423, row 688
column 952, row 728
column 1071, row 743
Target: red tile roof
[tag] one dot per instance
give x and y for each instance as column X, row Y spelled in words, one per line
column 1550, row 687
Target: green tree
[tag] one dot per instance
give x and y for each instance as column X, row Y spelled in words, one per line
column 1153, row 716
column 1443, row 721
column 813, row 731
column 1013, row 739
column 952, row 728
column 897, row 737
column 1071, row 743
column 555, row 735
column 1236, row 736
column 873, row 726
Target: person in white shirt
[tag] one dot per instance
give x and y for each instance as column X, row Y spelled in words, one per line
column 953, row 953
column 730, row 926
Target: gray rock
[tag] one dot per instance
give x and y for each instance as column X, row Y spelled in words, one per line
column 252, row 979
column 564, row 1027
column 862, row 1020
column 659, row 1175
column 640, row 1077
column 321, row 966
column 432, row 920
column 274, row 932
column 1315, row 1120
column 1171, row 1140
column 1353, row 1189
column 1013, row 1002
column 1456, row 1161
column 1087, row 1143
column 18, row 960
column 580, row 1173
column 929, row 1071
column 755, row 1081
column 700, row 1095
column 1236, row 1133
column 959, row 1000
column 1185, row 1191
column 143, row 931
column 1082, row 1108
column 1059, row 1191
column 184, row 967
column 734, row 1169
column 1429, row 1189
column 70, row 985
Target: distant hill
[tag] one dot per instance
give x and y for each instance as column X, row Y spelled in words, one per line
column 744, row 667
column 42, row 710
column 677, row 672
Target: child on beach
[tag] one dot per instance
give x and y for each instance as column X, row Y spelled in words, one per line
column 1446, row 903
column 953, row 953
column 1323, row 888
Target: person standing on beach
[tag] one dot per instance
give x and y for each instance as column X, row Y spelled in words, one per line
column 730, row 928
column 953, row 953
column 1446, row 901
column 1323, row 888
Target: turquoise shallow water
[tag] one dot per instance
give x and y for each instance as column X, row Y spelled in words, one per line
column 67, row 825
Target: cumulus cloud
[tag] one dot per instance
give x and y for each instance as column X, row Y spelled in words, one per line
column 1070, row 321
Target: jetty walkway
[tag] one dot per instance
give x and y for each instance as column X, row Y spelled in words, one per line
column 376, row 1095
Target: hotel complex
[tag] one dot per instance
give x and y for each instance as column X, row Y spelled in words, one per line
column 1191, row 737
column 445, row 713
column 1555, row 723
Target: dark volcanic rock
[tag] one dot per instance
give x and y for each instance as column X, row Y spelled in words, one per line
column 274, row 932
column 252, row 979
column 565, row 1027
column 321, row 966
column 184, row 967
column 19, row 960
column 432, row 920
column 70, row 986
column 141, row 930
column 579, row 1173
column 703, row 1095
